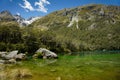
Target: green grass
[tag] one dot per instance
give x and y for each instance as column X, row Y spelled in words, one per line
column 74, row 67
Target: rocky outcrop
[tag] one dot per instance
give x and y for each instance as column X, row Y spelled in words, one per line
column 46, row 54
column 74, row 19
column 6, row 16
column 25, row 22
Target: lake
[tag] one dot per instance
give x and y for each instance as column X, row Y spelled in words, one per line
column 97, row 65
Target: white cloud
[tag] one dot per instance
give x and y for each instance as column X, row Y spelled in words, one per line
column 27, row 6
column 45, row 1
column 18, row 13
column 40, row 6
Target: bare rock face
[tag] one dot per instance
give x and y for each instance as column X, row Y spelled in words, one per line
column 46, row 53
column 74, row 19
column 6, row 15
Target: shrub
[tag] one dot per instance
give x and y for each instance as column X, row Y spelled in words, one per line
column 37, row 55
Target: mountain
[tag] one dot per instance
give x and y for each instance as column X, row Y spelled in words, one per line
column 92, row 12
column 89, row 27
column 20, row 20
column 25, row 22
column 30, row 20
column 7, row 16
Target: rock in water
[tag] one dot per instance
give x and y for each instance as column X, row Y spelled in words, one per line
column 46, row 53
column 11, row 55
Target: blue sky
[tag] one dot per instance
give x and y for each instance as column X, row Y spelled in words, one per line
column 28, row 8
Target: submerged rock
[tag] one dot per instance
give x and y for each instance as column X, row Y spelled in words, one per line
column 58, row 78
column 53, row 70
column 15, row 74
column 20, row 73
column 3, row 76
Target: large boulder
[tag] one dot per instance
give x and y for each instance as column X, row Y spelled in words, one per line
column 11, row 55
column 46, row 53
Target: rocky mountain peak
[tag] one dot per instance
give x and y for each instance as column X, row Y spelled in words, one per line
column 6, row 12
column 7, row 16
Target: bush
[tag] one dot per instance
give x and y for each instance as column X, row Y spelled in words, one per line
column 37, row 55
column 3, row 46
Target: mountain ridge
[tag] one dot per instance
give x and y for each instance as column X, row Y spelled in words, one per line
column 75, row 11
column 7, row 16
column 91, row 27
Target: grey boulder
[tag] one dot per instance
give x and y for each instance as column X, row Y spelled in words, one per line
column 46, row 53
